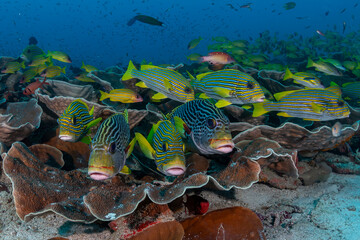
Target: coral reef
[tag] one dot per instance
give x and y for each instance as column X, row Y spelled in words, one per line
column 19, row 120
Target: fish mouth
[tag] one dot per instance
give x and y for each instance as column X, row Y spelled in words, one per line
column 175, row 171
column 222, row 145
column 67, row 138
column 260, row 99
column 99, row 176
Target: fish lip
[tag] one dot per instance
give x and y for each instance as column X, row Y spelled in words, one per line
column 66, row 138
column 99, row 176
column 175, row 171
column 225, row 148
column 260, row 99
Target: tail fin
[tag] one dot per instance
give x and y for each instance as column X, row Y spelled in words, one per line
column 104, row 95
column 127, row 75
column 288, row 74
column 310, row 63
column 83, row 65
column 259, row 109
column 63, row 70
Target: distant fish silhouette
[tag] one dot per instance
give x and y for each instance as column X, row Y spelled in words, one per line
column 145, row 19
column 33, row 41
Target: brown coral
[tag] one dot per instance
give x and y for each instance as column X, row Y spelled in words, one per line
column 19, row 121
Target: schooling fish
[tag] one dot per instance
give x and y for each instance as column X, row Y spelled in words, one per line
column 52, row 71
column 167, row 82
column 28, row 75
column 12, row 67
column 164, row 145
column 193, row 43
column 60, row 56
column 88, row 68
column 351, row 90
column 145, row 19
column 229, row 86
column 204, row 126
column 110, row 148
column 311, row 104
column 33, row 40
column 289, row 5
column 30, row 52
column 30, row 89
column 121, row 95
column 334, row 62
column 76, row 121
column 217, row 58
column 84, row 78
column 303, row 78
column 39, row 60
column 324, row 67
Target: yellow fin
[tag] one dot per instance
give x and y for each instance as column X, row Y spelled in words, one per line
column 167, row 85
column 179, row 125
column 247, row 106
column 147, row 67
column 334, row 84
column 127, row 75
column 283, row 114
column 86, row 139
column 310, row 63
column 93, row 123
column 190, row 76
column 145, row 146
column 152, row 132
column 200, row 76
column 308, row 119
column 91, row 111
column 259, row 109
column 130, row 147
column 126, row 115
column 204, row 96
column 317, row 108
column 334, row 89
column 288, row 74
column 125, row 170
column 141, row 84
column 222, row 103
column 223, row 92
column 280, row 95
column 104, row 95
column 159, row 96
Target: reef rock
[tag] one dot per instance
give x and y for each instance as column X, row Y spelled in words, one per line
column 19, row 120
column 228, row 223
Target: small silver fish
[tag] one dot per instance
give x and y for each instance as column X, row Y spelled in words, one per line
column 336, row 129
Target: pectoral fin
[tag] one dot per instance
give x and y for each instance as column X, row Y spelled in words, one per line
column 222, row 103
column 125, row 170
column 223, row 92
column 204, row 96
column 283, row 114
column 141, row 84
column 317, row 108
column 145, row 146
column 181, row 126
column 159, row 96
column 86, row 139
column 93, row 123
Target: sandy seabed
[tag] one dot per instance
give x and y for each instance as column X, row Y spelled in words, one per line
column 327, row 210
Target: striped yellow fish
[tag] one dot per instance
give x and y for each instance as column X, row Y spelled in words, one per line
column 39, row 60
column 88, row 68
column 30, row 52
column 28, row 75
column 121, row 95
column 230, row 86
column 204, row 127
column 167, row 82
column 76, row 121
column 311, row 104
column 60, row 56
column 303, row 78
column 52, row 71
column 165, row 146
column 110, row 148
column 12, row 67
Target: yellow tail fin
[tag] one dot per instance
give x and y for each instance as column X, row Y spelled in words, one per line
column 259, row 109
column 127, row 75
column 310, row 63
column 104, row 95
column 288, row 74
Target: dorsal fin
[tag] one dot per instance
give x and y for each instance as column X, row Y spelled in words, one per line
column 200, row 76
column 334, row 89
column 147, row 67
column 126, row 115
column 280, row 95
column 152, row 132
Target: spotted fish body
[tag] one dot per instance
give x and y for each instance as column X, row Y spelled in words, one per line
column 109, row 147
column 75, row 122
column 206, row 127
column 230, row 85
column 167, row 82
column 309, row 104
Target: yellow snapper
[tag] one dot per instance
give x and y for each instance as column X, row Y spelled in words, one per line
column 194, row 57
column 121, row 95
column 303, row 78
column 30, row 52
column 167, row 82
column 229, row 86
column 84, row 78
column 324, row 67
column 311, row 104
column 88, row 68
column 12, row 67
column 164, row 145
column 76, row 121
column 52, row 71
column 60, row 56
column 203, row 126
column 193, row 43
column 39, row 69
column 28, row 75
column 39, row 60
column 110, row 148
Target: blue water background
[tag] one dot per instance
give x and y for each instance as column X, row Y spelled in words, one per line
column 96, row 31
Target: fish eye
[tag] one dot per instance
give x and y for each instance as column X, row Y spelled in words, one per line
column 74, row 120
column 187, row 90
column 211, row 123
column 112, row 148
column 164, row 147
column 250, row 85
column 340, row 103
